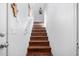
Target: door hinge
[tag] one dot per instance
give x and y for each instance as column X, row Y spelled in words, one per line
column 77, row 43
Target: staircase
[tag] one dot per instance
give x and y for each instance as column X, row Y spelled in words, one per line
column 39, row 44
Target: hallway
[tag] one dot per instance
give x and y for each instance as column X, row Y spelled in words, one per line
column 38, row 29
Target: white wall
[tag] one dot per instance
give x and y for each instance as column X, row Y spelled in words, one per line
column 35, row 7
column 61, row 28
column 3, row 22
column 19, row 30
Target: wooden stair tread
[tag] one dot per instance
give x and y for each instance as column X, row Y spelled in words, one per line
column 38, row 55
column 38, row 36
column 39, row 41
column 39, row 32
column 43, row 28
column 38, row 29
column 39, row 26
column 38, row 22
column 38, row 47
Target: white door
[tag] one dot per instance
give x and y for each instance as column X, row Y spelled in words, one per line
column 3, row 29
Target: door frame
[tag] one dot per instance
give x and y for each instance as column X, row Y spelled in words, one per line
column 7, row 28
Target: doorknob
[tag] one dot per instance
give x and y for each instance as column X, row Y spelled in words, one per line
column 2, row 35
column 4, row 45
